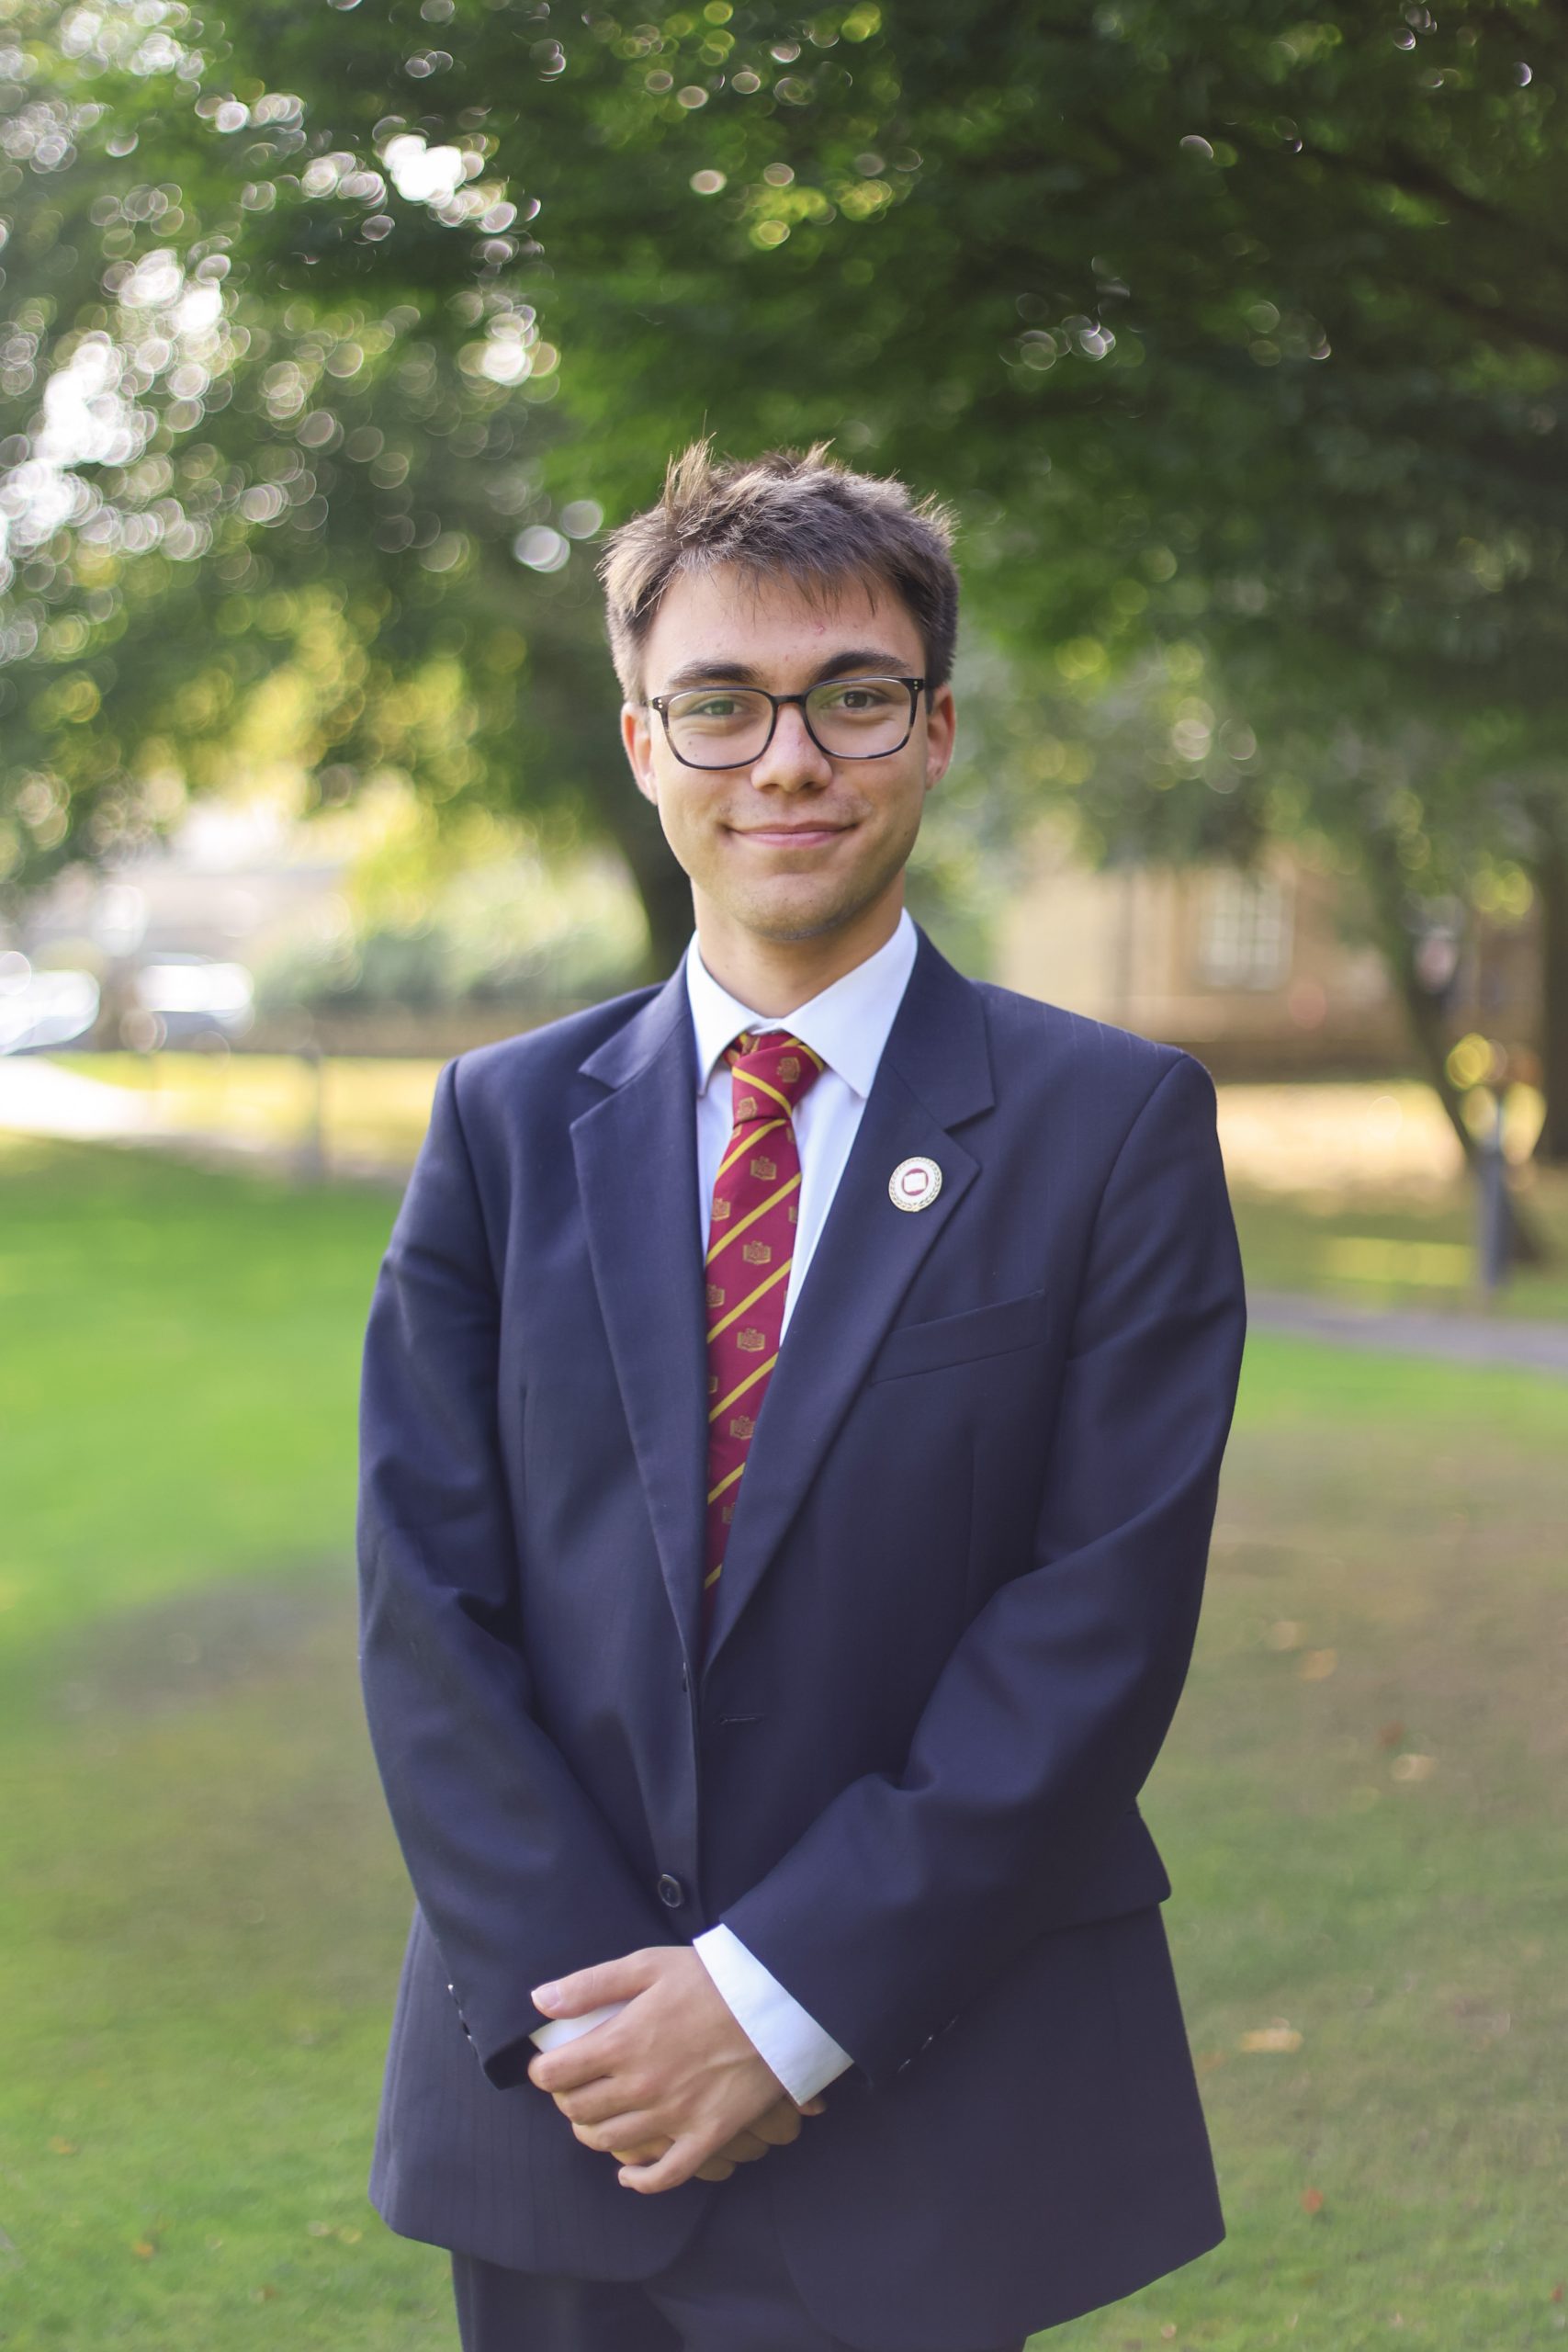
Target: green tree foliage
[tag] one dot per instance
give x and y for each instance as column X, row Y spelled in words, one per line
column 1236, row 334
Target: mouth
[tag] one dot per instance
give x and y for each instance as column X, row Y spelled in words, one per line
column 790, row 836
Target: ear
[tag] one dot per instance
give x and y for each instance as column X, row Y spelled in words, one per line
column 941, row 730
column 636, row 735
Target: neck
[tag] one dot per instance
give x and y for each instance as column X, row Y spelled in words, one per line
column 774, row 975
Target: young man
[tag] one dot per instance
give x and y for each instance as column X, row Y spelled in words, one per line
column 793, row 1403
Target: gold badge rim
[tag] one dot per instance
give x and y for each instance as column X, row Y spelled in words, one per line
column 927, row 1197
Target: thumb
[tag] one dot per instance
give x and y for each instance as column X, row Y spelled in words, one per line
column 592, row 1988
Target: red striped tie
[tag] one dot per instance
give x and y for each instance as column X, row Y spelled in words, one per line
column 750, row 1246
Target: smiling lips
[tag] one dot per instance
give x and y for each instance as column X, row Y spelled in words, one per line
column 789, row 835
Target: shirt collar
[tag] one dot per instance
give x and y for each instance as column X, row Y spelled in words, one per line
column 846, row 1025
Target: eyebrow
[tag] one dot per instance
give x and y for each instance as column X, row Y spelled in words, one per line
column 874, row 661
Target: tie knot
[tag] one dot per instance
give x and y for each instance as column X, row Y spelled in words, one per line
column 771, row 1070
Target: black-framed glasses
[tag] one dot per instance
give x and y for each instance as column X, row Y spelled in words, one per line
column 850, row 719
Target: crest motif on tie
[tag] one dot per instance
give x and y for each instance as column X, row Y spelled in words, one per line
column 716, row 1294
column 744, row 1109
column 789, row 1069
column 757, row 1253
column 742, row 1426
column 765, row 1169
column 751, row 1341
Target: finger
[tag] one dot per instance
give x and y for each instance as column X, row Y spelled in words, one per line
column 646, row 2152
column 780, row 2125
column 587, row 2059
column 622, row 2127
column 590, row 1988
column 715, row 2169
column 818, row 2106
column 744, row 2149
column 678, row 2163
column 597, row 2102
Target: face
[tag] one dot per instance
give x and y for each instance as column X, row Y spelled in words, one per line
column 797, row 844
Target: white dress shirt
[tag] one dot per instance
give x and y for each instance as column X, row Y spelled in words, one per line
column 846, row 1027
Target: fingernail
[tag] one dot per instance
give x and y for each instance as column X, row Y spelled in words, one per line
column 545, row 1996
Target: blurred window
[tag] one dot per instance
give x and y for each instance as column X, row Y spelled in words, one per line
column 1244, row 930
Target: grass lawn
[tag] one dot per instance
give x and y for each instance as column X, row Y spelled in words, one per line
column 201, row 1908
column 1390, row 1248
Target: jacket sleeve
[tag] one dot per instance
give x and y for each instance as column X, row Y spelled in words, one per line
column 908, row 1895
column 516, row 1871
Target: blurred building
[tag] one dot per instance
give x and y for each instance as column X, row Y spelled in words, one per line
column 1258, row 975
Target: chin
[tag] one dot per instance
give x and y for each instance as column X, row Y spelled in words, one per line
column 788, row 921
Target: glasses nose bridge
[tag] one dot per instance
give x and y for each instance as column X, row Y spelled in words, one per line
column 808, row 742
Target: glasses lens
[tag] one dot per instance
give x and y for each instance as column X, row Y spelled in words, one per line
column 718, row 727
column 860, row 717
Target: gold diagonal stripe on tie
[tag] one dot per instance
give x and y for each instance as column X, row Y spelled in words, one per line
column 732, row 1232
column 809, row 1054
column 714, row 1492
column 781, row 1099
column 749, row 1382
column 777, row 1275
column 749, row 1143
column 712, row 1576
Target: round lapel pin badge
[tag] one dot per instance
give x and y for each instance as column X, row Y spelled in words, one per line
column 914, row 1183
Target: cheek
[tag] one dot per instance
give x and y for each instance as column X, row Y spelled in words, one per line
column 904, row 804
column 681, row 814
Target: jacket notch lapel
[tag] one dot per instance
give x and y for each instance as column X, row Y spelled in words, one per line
column 637, row 1163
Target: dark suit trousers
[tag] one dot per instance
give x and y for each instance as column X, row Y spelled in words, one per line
column 729, row 2290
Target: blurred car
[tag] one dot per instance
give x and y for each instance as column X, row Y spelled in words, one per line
column 178, row 1000
column 40, row 1010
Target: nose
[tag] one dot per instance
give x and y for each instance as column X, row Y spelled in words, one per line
column 791, row 760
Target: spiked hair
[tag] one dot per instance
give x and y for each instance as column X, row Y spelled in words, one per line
column 795, row 514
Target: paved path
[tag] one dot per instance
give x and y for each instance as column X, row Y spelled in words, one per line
column 1460, row 1339
column 38, row 1098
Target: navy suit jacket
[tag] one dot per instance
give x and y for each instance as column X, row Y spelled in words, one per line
column 957, row 1609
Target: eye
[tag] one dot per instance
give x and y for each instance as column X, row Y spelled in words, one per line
column 856, row 696
column 709, row 706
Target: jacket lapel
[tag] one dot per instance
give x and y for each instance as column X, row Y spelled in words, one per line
column 637, row 1164
column 934, row 1073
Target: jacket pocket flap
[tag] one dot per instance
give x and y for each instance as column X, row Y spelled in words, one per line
column 960, row 1339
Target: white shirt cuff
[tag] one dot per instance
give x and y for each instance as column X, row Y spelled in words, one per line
column 555, row 2030
column 802, row 2055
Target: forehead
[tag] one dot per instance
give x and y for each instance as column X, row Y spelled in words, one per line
column 779, row 629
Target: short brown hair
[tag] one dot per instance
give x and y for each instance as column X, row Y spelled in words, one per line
column 798, row 514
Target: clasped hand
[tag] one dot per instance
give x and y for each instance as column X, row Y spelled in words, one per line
column 672, row 2088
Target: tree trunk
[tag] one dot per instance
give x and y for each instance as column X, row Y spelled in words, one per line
column 666, row 894
column 1548, row 873
column 1427, row 1029
column 1423, row 1012
column 567, row 710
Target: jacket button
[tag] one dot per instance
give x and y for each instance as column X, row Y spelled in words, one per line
column 670, row 1891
